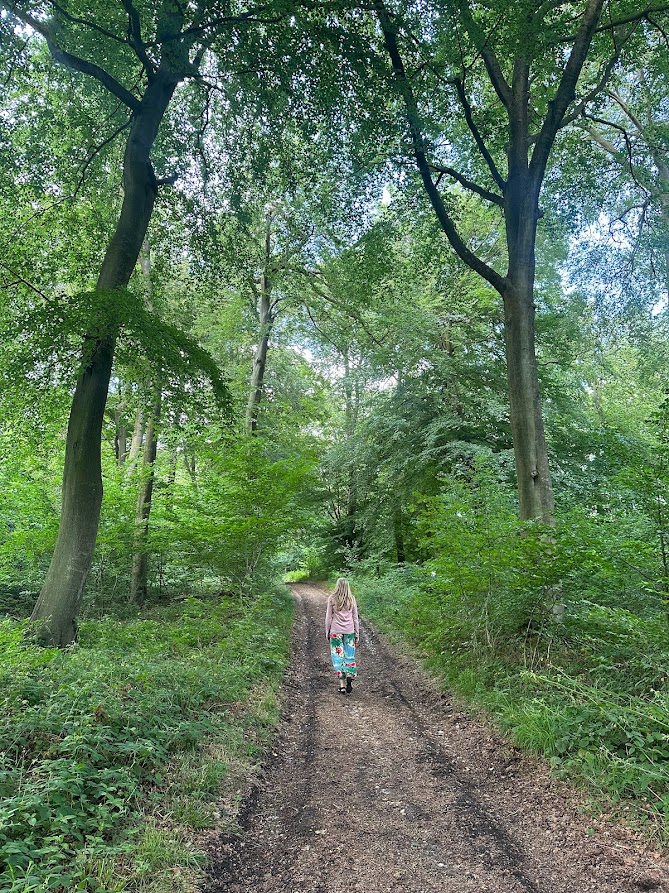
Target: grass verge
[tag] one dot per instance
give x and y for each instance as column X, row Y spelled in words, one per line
column 117, row 754
column 591, row 695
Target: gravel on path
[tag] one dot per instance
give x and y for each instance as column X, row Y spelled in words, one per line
column 393, row 788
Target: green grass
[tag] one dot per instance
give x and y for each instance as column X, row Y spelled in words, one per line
column 116, row 752
column 590, row 695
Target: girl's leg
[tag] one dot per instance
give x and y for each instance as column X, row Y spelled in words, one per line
column 337, row 656
column 350, row 666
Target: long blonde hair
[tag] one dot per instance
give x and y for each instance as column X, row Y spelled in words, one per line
column 342, row 597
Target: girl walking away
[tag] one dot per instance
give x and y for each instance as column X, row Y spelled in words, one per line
column 343, row 633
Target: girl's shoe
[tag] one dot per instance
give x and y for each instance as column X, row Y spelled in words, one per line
column 341, row 691
column 349, row 685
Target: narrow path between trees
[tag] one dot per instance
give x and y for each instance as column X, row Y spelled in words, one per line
column 393, row 788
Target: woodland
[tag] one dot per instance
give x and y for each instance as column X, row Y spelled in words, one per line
column 295, row 289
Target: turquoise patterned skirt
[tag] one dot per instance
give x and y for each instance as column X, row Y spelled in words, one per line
column 342, row 652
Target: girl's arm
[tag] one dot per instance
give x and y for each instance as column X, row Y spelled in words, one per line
column 328, row 619
column 355, row 620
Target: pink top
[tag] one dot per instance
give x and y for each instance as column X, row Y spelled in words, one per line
column 338, row 622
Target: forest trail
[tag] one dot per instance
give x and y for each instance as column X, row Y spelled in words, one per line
column 431, row 801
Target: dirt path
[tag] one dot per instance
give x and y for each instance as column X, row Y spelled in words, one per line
column 392, row 789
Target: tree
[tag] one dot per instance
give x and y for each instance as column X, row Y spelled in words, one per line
column 140, row 558
column 504, row 67
column 155, row 51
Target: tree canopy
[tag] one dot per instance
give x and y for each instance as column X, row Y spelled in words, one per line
column 297, row 288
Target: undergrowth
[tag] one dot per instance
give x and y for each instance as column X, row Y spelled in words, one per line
column 591, row 693
column 115, row 752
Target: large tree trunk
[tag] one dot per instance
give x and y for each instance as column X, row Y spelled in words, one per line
column 535, row 492
column 59, row 602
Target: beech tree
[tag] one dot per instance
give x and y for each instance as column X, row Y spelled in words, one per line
column 139, row 55
column 521, row 72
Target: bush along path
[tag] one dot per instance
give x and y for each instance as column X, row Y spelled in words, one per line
column 393, row 788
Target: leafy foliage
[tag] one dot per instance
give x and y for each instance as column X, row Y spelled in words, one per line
column 91, row 734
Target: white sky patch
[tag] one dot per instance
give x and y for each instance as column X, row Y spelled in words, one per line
column 386, row 197
column 386, row 384
column 304, row 352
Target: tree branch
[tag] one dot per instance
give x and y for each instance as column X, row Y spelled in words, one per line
column 76, row 20
column 601, row 141
column 21, row 281
column 660, row 29
column 490, row 60
column 617, row 154
column 462, row 250
column 135, row 37
column 627, row 20
column 469, row 184
column 94, row 153
column 251, row 15
column 75, row 62
column 483, row 149
column 565, row 92
column 591, row 94
column 627, row 110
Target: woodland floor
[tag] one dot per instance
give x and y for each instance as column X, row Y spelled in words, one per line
column 394, row 788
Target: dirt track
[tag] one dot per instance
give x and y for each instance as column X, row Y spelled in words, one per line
column 393, row 789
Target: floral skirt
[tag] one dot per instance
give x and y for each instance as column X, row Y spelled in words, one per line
column 342, row 652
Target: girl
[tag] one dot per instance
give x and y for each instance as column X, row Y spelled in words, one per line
column 343, row 633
